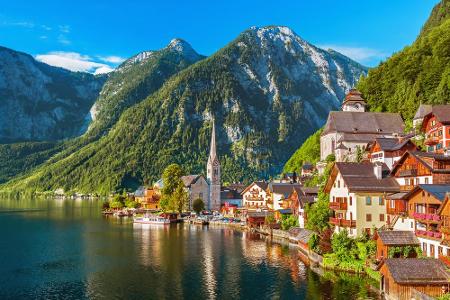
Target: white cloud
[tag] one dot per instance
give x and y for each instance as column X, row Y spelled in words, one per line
column 62, row 39
column 360, row 54
column 74, row 61
column 112, row 59
column 64, row 28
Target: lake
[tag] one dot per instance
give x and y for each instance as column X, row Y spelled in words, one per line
column 65, row 249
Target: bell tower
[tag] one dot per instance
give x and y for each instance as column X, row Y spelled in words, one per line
column 354, row 102
column 213, row 173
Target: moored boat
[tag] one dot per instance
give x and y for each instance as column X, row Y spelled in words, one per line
column 150, row 219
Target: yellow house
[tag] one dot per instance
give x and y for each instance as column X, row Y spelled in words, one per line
column 357, row 196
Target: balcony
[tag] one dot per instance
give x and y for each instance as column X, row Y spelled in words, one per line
column 406, row 188
column 434, row 235
column 431, row 141
column 396, row 210
column 408, row 173
column 343, row 222
column 427, row 217
column 254, row 198
column 445, row 225
column 338, row 205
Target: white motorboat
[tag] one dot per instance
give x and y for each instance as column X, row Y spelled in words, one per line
column 150, row 219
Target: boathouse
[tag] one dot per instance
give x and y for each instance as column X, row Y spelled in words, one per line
column 401, row 277
column 388, row 240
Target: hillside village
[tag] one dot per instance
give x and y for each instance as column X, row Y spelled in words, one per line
column 380, row 183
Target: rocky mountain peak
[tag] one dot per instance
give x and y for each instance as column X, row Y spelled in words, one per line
column 183, row 48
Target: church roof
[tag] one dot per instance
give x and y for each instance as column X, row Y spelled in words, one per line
column 363, row 123
column 188, row 180
column 213, row 151
column 422, row 111
column 354, row 96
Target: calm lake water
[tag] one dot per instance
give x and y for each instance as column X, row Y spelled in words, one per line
column 55, row 249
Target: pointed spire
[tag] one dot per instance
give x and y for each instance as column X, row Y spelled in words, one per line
column 212, row 151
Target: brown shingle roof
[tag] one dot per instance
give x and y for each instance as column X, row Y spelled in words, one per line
column 361, row 177
column 364, row 122
column 392, row 144
column 442, row 113
column 398, row 238
column 282, row 188
column 261, row 184
column 190, row 179
column 417, row 271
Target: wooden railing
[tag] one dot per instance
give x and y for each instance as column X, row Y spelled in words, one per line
column 338, row 205
column 395, row 210
column 342, row 222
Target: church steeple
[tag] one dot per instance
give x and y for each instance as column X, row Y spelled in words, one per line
column 213, row 173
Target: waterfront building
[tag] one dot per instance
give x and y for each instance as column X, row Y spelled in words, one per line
column 357, row 196
column 297, row 201
column 254, row 196
column 401, row 278
column 197, row 188
column 436, row 125
column 213, row 173
column 277, row 192
column 148, row 198
column 389, row 150
column 354, row 128
column 424, row 206
column 388, row 239
column 230, row 196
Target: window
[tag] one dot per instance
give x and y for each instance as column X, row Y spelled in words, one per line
column 417, row 181
column 381, row 201
column 368, row 200
column 426, row 180
column 350, row 200
column 440, row 250
column 339, row 183
column 200, row 195
column 424, row 248
column 381, row 217
column 368, row 217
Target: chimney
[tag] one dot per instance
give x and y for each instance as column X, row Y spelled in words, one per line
column 378, row 170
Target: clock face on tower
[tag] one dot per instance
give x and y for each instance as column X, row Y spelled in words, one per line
column 357, row 105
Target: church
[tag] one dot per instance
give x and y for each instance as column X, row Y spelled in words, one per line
column 213, row 173
column 352, row 128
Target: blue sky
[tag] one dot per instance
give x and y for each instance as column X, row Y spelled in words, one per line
column 97, row 35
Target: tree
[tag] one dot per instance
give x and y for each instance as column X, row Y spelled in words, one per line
column 198, row 205
column 318, row 214
column 288, row 221
column 174, row 195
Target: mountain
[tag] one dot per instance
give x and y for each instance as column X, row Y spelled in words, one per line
column 137, row 78
column 420, row 73
column 130, row 83
column 267, row 90
column 41, row 102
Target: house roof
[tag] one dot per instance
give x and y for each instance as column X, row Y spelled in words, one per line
column 307, row 166
column 426, row 158
column 227, row 194
column 300, row 234
column 188, row 180
column 441, row 112
column 398, row 238
column 261, row 184
column 361, row 177
column 392, row 144
column 363, row 123
column 285, row 211
column 140, row 192
column 354, row 96
column 397, row 196
column 437, row 190
column 417, row 271
column 310, row 190
column 282, row 188
column 303, row 200
column 422, row 111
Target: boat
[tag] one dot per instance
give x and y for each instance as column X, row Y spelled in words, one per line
column 150, row 219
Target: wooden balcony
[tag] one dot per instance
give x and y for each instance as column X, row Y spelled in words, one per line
column 431, row 141
column 398, row 211
column 406, row 188
column 254, row 198
column 445, row 225
column 338, row 205
column 343, row 222
column 432, row 235
column 426, row 218
column 408, row 173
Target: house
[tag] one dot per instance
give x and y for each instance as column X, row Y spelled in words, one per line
column 424, row 206
column 197, row 187
column 230, row 196
column 254, row 196
column 354, row 128
column 307, row 169
column 277, row 192
column 148, row 197
column 389, row 150
column 397, row 212
column 415, row 167
column 436, row 125
column 400, row 278
column 278, row 214
column 357, row 196
column 297, row 201
column 256, row 219
column 388, row 239
column 444, row 228
column 422, row 111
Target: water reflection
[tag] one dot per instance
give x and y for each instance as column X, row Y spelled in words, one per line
column 66, row 249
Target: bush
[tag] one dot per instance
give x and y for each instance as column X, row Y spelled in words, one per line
column 116, row 205
column 198, row 205
column 288, row 221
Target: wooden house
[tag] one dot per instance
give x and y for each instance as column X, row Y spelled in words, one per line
column 297, row 201
column 436, row 125
column 401, row 277
column 424, row 206
column 148, row 198
column 388, row 239
column 278, row 192
column 389, row 150
column 254, row 196
column 256, row 219
column 416, row 167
